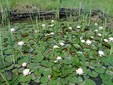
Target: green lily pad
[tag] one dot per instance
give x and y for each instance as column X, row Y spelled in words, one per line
column 99, row 70
column 106, row 79
column 89, row 82
column 52, row 82
column 26, row 79
column 44, row 79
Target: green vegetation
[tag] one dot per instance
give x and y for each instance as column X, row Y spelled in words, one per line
column 105, row 5
column 57, row 52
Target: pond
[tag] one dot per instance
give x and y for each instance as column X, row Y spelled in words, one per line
column 71, row 51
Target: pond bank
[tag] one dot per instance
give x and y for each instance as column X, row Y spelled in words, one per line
column 62, row 13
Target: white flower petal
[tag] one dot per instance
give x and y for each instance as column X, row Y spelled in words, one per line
column 96, row 24
column 20, row 43
column 78, row 26
column 105, row 40
column 82, row 41
column 61, row 43
column 26, row 72
column 100, row 28
column 99, row 35
column 111, row 39
column 52, row 21
column 101, row 53
column 55, row 46
column 88, row 42
column 24, row 64
column 43, row 25
column 96, row 30
column 52, row 33
column 12, row 30
column 59, row 58
column 70, row 28
column 79, row 71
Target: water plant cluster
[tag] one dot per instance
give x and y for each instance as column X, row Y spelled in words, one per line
column 56, row 53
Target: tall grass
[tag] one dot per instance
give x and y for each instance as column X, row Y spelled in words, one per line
column 105, row 5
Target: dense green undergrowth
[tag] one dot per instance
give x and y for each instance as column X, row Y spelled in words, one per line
column 56, row 53
column 72, row 51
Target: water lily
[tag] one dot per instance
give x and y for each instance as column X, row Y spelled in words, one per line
column 100, row 27
column 59, row 58
column 70, row 28
column 92, row 37
column 61, row 43
column 55, row 46
column 82, row 41
column 52, row 21
column 24, row 64
column 78, row 26
column 52, row 33
column 96, row 30
column 88, row 42
column 79, row 71
column 26, row 72
column 106, row 40
column 99, row 35
column 101, row 53
column 20, row 43
column 95, row 24
column 111, row 39
column 55, row 61
column 43, row 25
column 12, row 30
column 49, row 77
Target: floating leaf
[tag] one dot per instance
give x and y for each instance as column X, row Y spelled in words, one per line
column 26, row 79
column 89, row 82
column 99, row 70
column 44, row 79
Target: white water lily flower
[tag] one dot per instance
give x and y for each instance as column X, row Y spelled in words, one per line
column 100, row 28
column 49, row 77
column 55, row 61
column 55, row 46
column 12, row 30
column 111, row 39
column 101, row 53
column 43, row 25
column 52, row 33
column 79, row 71
column 99, row 35
column 105, row 40
column 96, row 30
column 82, row 41
column 61, row 43
column 96, row 24
column 59, row 58
column 24, row 64
column 70, row 28
column 92, row 37
column 20, row 43
column 88, row 42
column 52, row 21
column 26, row 72
column 78, row 26
column 47, row 34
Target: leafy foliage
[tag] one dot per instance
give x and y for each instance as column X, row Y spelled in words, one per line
column 41, row 56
